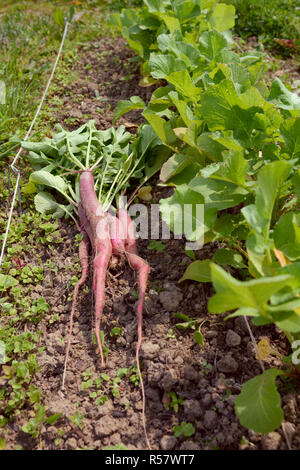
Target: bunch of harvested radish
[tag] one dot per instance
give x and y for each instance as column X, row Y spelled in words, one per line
column 92, row 169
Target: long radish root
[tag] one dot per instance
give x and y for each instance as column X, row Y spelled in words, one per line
column 128, row 226
column 142, row 268
column 85, row 224
column 98, row 228
column 84, row 261
column 103, row 254
column 109, row 235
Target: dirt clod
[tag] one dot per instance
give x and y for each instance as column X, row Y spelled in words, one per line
column 271, row 441
column 227, row 364
column 190, row 373
column 210, row 419
column 232, row 338
column 170, row 300
column 149, row 350
column 169, row 380
column 168, row 442
column 189, row 445
column 192, row 409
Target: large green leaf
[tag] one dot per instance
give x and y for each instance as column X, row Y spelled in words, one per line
column 184, row 84
column 238, row 73
column 210, row 147
column 282, row 97
column 233, row 169
column 197, row 271
column 207, row 4
column 186, row 10
column 269, row 181
column 258, row 406
column 226, row 256
column 183, row 108
column 47, row 179
column 162, row 65
column 41, row 147
column 183, row 213
column 124, row 106
column 258, row 249
column 211, row 44
column 222, row 17
column 182, row 50
column 174, row 165
column 232, row 294
column 216, row 194
column 162, row 128
column 46, row 204
column 223, row 109
column 287, row 235
column 155, row 6
column 171, row 22
column 156, row 160
column 289, row 322
column 290, row 130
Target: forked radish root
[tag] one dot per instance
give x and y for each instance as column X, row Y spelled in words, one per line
column 108, row 235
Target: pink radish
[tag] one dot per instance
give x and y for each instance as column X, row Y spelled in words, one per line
column 99, row 231
column 108, row 235
column 142, row 268
column 117, row 234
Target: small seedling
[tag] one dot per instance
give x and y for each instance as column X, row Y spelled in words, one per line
column 157, row 246
column 184, row 429
column 77, row 419
column 174, row 401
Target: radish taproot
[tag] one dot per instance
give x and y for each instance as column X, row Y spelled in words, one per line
column 92, row 170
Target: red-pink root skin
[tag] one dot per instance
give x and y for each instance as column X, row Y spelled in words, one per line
column 117, row 234
column 99, row 232
column 85, row 223
column 101, row 262
column 128, row 225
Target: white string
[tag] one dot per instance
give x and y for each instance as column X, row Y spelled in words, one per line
column 12, row 166
column 254, row 344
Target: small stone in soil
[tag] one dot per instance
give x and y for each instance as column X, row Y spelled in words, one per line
column 169, row 380
column 190, row 373
column 270, row 441
column 210, row 419
column 106, row 426
column 227, row 364
column 168, row 442
column 211, row 334
column 119, row 307
column 206, row 400
column 152, row 394
column 71, row 443
column 232, row 338
column 231, row 399
column 149, row 350
column 192, row 409
column 170, row 300
column 189, row 445
column 106, row 408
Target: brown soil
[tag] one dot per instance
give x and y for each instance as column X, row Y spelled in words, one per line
column 208, row 376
